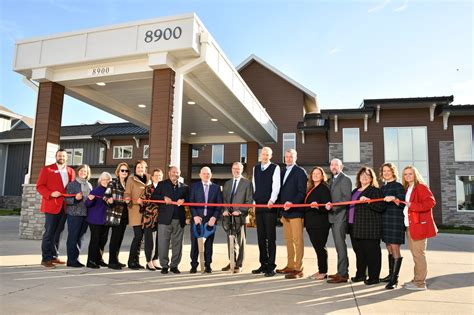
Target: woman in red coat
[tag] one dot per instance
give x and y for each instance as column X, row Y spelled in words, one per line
column 420, row 224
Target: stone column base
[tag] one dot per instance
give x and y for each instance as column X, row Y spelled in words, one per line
column 31, row 219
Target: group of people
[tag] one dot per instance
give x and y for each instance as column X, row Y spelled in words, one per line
column 369, row 213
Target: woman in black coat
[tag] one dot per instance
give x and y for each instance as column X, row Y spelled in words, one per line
column 365, row 226
column 316, row 218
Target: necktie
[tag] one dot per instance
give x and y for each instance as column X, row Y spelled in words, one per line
column 206, row 195
column 234, row 187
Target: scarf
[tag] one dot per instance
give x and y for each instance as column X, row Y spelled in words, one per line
column 85, row 186
column 143, row 178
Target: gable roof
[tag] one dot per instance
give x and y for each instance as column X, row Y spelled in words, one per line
column 6, row 112
column 311, row 104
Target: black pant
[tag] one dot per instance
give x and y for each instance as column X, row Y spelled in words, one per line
column 266, row 234
column 151, row 239
column 54, row 227
column 117, row 237
column 319, row 238
column 195, row 249
column 368, row 257
column 99, row 235
column 134, row 255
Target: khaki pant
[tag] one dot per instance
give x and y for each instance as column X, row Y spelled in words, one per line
column 418, row 251
column 293, row 230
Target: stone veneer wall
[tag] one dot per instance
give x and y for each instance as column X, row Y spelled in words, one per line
column 449, row 168
column 366, row 157
column 31, row 219
column 10, row 202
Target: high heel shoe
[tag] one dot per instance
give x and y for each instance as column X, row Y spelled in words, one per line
column 156, row 264
column 151, row 268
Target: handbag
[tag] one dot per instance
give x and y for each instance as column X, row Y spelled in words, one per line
column 113, row 216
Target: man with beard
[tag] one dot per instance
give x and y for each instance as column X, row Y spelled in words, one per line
column 51, row 184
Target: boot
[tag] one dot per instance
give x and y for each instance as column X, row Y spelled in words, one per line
column 392, row 284
column 390, row 269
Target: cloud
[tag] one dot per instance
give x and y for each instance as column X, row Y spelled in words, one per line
column 402, row 7
column 335, row 51
column 378, row 7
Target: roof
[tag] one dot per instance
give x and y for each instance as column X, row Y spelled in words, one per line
column 350, row 113
column 310, row 106
column 6, row 112
column 457, row 110
column 410, row 102
column 124, row 129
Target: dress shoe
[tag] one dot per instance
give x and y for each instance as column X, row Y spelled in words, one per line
column 226, row 268
column 164, row 271
column 372, row 281
column 338, row 279
column 193, row 270
column 151, row 268
column 175, row 270
column 58, row 261
column 208, row 270
column 122, row 265
column 259, row 270
column 75, row 265
column 318, row 276
column 285, row 270
column 333, row 276
column 48, row 264
column 134, row 266
column 412, row 286
column 296, row 274
column 270, row 273
column 115, row 266
column 156, row 264
column 103, row 264
column 92, row 265
column 237, row 269
column 358, row 278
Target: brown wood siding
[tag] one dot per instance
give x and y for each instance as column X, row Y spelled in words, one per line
column 49, row 111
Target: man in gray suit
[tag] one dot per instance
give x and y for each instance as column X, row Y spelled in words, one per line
column 341, row 189
column 236, row 190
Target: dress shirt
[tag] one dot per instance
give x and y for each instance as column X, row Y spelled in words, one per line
column 63, row 172
column 276, row 185
column 288, row 170
column 405, row 210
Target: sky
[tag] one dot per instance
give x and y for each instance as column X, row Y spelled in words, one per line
column 344, row 51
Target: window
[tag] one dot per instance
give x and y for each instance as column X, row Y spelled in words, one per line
column 350, row 145
column 463, row 143
column 217, row 154
column 146, row 151
column 465, row 192
column 289, row 142
column 243, row 153
column 407, row 146
column 123, row 152
column 74, row 156
column 101, row 155
column 195, row 154
column 258, row 155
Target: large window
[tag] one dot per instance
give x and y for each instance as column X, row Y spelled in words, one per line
column 217, row 154
column 350, row 145
column 463, row 143
column 465, row 192
column 124, row 152
column 289, row 142
column 243, row 153
column 101, row 155
column 146, row 149
column 407, row 146
column 195, row 154
column 74, row 156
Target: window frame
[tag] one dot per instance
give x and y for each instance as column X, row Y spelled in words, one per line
column 469, row 143
column 244, row 160
column 214, row 146
column 283, row 140
column 101, row 156
column 122, row 158
column 194, row 153
column 71, row 154
column 146, row 148
column 345, row 155
column 456, row 187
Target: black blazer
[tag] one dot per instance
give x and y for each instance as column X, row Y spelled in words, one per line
column 368, row 216
column 317, row 217
column 293, row 190
column 167, row 189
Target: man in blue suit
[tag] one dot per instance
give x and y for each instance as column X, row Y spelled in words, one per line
column 293, row 190
column 204, row 192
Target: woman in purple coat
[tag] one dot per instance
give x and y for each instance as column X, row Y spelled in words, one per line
column 96, row 210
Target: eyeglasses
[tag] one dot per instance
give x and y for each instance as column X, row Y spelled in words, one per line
column 124, row 171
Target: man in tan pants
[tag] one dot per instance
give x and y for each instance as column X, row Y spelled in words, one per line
column 293, row 190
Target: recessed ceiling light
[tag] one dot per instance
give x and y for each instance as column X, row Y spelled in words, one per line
column 214, row 119
column 193, row 133
column 141, row 105
column 231, row 132
column 100, row 83
column 191, row 102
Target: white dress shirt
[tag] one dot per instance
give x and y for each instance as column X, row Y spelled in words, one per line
column 405, row 210
column 63, row 172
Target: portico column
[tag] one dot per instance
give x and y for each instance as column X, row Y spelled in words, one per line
column 161, row 119
column 252, row 157
column 186, row 162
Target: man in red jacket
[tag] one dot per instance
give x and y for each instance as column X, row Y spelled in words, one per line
column 51, row 185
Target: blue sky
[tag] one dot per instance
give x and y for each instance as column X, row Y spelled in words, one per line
column 344, row 51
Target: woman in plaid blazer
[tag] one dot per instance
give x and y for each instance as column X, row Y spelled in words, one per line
column 365, row 226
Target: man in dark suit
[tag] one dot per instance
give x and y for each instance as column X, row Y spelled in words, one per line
column 171, row 219
column 237, row 190
column 341, row 189
column 204, row 192
column 293, row 190
column 51, row 185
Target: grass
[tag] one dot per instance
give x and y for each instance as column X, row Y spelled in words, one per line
column 462, row 229
column 4, row 212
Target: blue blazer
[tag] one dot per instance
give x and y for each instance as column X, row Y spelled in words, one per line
column 214, row 196
column 293, row 190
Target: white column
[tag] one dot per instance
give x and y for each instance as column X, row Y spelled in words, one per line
column 335, row 123
column 177, row 120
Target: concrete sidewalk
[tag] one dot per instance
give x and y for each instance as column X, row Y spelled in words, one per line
column 28, row 288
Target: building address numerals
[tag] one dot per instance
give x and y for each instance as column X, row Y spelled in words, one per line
column 166, row 34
